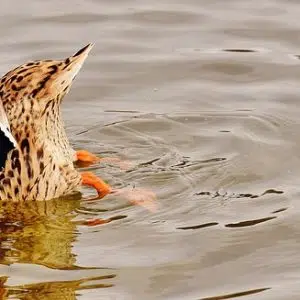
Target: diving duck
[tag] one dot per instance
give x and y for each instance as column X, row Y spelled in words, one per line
column 36, row 158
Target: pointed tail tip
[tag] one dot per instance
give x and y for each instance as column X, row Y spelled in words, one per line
column 86, row 49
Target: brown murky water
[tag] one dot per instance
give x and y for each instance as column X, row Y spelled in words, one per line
column 203, row 98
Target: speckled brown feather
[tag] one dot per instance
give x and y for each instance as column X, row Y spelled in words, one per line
column 41, row 165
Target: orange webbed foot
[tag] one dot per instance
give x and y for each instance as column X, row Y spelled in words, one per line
column 138, row 196
column 123, row 164
column 92, row 180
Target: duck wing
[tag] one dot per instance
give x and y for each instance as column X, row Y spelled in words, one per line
column 7, row 141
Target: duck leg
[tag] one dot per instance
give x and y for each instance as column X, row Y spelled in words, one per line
column 86, row 157
column 90, row 179
column 141, row 197
column 102, row 188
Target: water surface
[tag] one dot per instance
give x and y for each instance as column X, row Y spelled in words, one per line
column 202, row 97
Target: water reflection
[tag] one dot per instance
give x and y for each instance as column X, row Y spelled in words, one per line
column 235, row 295
column 240, row 50
column 249, row 222
column 39, row 233
column 67, row 290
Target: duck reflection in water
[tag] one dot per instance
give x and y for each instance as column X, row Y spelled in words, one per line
column 67, row 290
column 43, row 233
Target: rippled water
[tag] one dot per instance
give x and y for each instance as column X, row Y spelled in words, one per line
column 202, row 97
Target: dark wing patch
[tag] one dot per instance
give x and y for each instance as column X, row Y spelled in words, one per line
column 6, row 145
column 7, row 141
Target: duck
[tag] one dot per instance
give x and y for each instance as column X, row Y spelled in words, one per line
column 36, row 158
